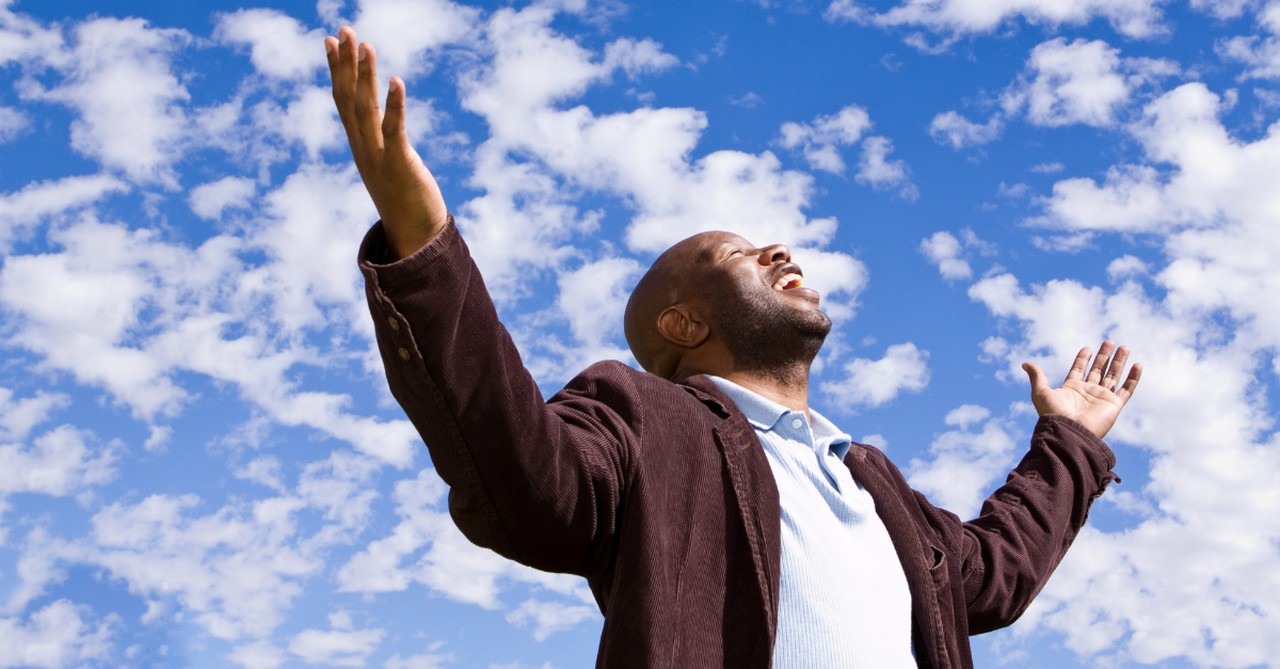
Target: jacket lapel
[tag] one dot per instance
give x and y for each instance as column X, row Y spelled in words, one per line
column 754, row 490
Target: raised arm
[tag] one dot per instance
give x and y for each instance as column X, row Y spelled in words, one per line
column 404, row 191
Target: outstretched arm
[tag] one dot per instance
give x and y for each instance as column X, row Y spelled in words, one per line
column 404, row 191
column 1093, row 399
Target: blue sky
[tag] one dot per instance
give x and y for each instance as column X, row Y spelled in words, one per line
column 200, row 464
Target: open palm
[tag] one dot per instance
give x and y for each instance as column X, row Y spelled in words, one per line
column 1093, row 398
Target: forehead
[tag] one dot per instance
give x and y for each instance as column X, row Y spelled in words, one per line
column 708, row 245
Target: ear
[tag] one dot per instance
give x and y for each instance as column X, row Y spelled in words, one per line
column 680, row 325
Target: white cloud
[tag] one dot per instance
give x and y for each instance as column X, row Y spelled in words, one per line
column 1047, row 168
column 406, row 32
column 819, row 140
column 19, row 416
column 279, row 46
column 422, row 661
column 21, row 36
column 58, row 635
column 1126, row 267
column 12, row 124
column 950, row 128
column 209, row 200
column 1206, row 200
column 538, row 156
column 944, row 250
column 872, row 383
column 547, row 618
column 337, row 648
column 876, row 169
column 1072, row 82
column 58, row 462
column 234, row 571
column 965, row 463
column 952, row 18
column 426, row 547
column 637, row 57
column 119, row 80
column 123, row 311
column 310, row 120
column 22, row 211
column 591, row 299
column 1260, row 54
column 257, row 655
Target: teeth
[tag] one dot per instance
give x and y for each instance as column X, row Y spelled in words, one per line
column 788, row 279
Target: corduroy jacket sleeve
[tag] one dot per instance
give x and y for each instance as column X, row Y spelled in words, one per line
column 1027, row 525
column 537, row 483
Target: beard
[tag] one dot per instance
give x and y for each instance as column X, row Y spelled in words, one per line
column 766, row 335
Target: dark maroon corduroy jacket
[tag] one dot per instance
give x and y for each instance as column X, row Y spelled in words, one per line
column 659, row 494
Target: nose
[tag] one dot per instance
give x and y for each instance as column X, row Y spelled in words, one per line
column 774, row 253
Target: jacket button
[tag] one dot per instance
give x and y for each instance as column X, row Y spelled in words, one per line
column 404, row 354
column 395, row 324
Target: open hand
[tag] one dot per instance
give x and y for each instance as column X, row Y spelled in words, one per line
column 1093, row 399
column 406, row 195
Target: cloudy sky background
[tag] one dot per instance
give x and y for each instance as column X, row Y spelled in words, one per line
column 200, row 464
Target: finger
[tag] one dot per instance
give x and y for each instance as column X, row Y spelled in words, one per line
column 1125, row 391
column 393, row 132
column 1078, row 365
column 1100, row 362
column 1115, row 367
column 342, row 73
column 1037, row 376
column 368, row 113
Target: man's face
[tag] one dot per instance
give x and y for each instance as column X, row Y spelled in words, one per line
column 758, row 302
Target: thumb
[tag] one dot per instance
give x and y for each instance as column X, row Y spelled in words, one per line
column 1038, row 379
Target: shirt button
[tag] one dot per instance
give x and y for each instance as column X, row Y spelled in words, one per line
column 395, row 324
column 404, row 354
column 796, row 423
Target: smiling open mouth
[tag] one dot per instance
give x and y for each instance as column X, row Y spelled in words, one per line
column 788, row 281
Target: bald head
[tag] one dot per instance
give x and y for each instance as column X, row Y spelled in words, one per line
column 667, row 283
column 715, row 304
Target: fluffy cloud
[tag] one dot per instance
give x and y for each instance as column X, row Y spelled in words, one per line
column 1079, row 82
column 548, row 618
column 1064, row 83
column 1260, row 54
column 407, row 31
column 427, row 548
column 121, row 310
column 209, row 200
column 58, row 462
column 234, row 571
column 118, row 79
column 966, row 462
column 23, row 211
column 341, row 646
column 540, row 158
column 1203, row 196
column 950, row 128
column 58, row 635
column 12, row 124
column 279, row 46
column 820, row 139
column 943, row 250
column 877, row 170
column 1135, row 18
column 21, row 36
column 872, row 383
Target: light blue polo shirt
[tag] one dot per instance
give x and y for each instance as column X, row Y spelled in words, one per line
column 844, row 600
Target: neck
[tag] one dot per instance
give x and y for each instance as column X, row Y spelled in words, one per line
column 788, row 386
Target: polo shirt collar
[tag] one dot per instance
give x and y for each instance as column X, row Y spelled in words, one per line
column 764, row 414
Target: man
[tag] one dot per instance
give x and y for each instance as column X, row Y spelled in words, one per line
column 718, row 520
